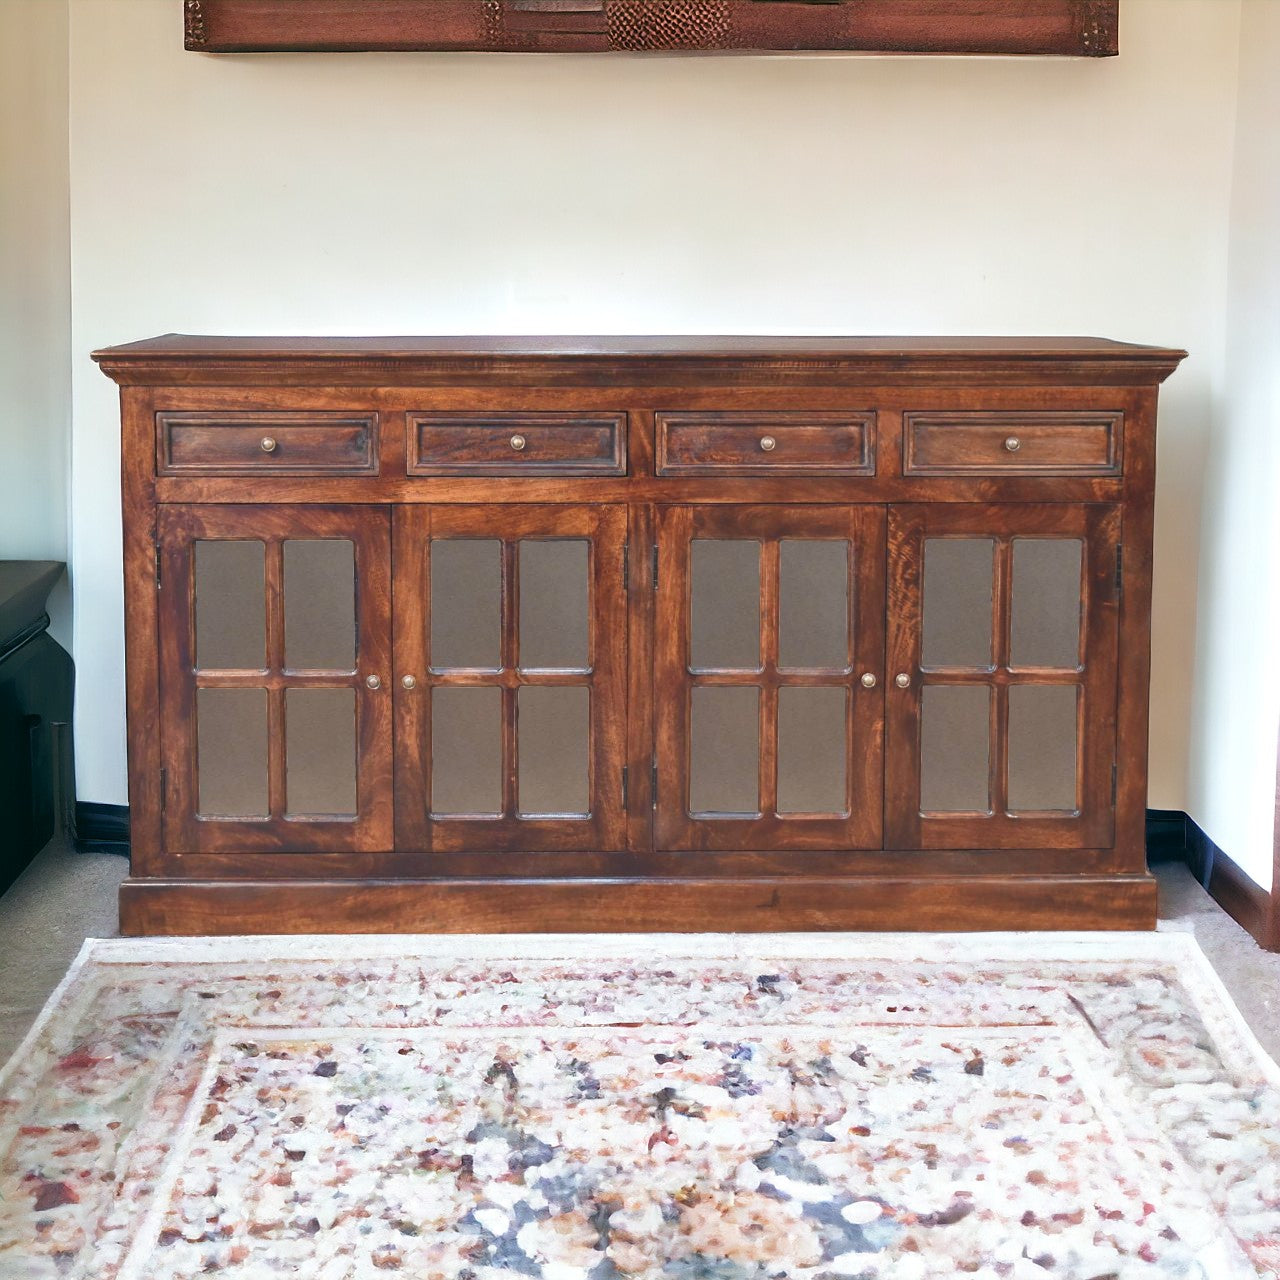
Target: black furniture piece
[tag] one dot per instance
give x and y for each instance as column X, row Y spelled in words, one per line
column 36, row 683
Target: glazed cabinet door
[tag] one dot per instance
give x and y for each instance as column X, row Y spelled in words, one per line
column 1001, row 697
column 275, row 625
column 769, row 650
column 511, row 678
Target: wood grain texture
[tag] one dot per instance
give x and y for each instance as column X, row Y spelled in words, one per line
column 635, row 361
column 619, row 404
column 143, row 642
column 1072, row 28
column 779, row 443
column 659, row 490
column 267, row 443
column 502, row 864
column 688, row 904
column 1011, row 443
column 1133, row 677
column 516, row 444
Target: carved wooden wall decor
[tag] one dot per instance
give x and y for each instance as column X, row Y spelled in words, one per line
column 1075, row 28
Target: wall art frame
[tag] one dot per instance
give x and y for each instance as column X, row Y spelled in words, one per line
column 1065, row 28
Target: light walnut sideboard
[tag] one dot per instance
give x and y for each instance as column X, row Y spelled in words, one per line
column 561, row 634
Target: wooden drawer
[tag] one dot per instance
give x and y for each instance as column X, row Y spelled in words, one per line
column 1009, row 442
column 517, row 444
column 791, row 443
column 267, row 443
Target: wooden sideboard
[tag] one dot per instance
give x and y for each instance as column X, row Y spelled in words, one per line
column 562, row 634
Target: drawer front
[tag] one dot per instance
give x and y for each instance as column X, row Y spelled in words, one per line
column 1012, row 443
column 750, row 443
column 241, row 444
column 517, row 444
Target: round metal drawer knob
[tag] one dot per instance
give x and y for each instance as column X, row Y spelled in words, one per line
column 902, row 680
column 868, row 679
column 518, row 442
column 768, row 444
column 268, row 444
column 409, row 682
column 373, row 682
column 1012, row 443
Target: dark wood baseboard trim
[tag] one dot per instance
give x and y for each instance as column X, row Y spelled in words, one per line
column 874, row 903
column 1174, row 836
column 1247, row 903
column 102, row 828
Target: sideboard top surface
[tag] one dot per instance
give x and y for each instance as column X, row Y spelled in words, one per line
column 187, row 358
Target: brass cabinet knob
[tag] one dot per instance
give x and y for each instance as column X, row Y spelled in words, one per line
column 1012, row 443
column 768, row 444
column 868, row 679
column 518, row 442
column 409, row 682
column 268, row 444
column 373, row 682
column 902, row 680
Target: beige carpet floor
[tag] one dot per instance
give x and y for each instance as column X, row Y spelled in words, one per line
column 65, row 897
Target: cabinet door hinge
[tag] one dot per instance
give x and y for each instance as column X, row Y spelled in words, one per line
column 1119, row 570
column 626, row 566
column 159, row 574
column 624, row 786
column 653, row 782
column 1114, row 782
column 655, row 567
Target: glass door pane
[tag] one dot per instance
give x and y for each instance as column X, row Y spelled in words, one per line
column 555, row 605
column 320, row 604
column 320, row 744
column 812, row 759
column 231, row 753
column 725, row 594
column 553, row 748
column 466, row 604
column 813, row 604
column 1043, row 726
column 230, row 605
column 955, row 748
column 724, row 768
column 1045, row 615
column 466, row 752
column 959, row 576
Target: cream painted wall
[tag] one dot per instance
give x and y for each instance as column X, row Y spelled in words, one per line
column 1237, row 707
column 35, row 289
column 490, row 193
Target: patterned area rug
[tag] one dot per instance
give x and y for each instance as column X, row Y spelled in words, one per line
column 673, row 1108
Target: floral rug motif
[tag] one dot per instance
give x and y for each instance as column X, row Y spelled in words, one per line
column 893, row 1107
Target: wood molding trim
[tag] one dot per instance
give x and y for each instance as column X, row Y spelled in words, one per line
column 1071, row 28
column 1247, row 903
column 1172, row 836
column 647, row 905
